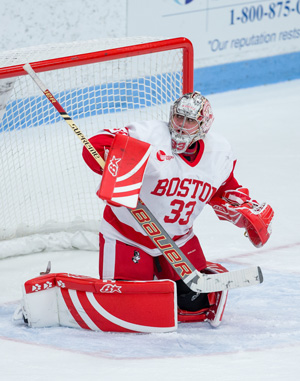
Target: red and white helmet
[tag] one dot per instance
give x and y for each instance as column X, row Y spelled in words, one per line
column 190, row 119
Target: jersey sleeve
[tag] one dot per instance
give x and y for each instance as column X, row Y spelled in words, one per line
column 230, row 183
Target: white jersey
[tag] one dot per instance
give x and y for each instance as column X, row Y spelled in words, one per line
column 174, row 189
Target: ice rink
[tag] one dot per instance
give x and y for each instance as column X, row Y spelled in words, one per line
column 259, row 338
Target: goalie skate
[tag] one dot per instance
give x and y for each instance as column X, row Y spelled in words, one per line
column 217, row 302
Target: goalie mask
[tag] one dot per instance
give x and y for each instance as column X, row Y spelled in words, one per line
column 190, row 120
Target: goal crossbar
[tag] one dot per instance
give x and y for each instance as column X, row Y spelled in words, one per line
column 113, row 54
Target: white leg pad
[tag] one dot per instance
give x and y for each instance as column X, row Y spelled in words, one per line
column 41, row 308
column 100, row 305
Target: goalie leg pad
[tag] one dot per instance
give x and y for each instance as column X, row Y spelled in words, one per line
column 117, row 306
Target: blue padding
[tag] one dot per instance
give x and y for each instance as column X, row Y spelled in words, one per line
column 115, row 97
column 90, row 101
column 239, row 75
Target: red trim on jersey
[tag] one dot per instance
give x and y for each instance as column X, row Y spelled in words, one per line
column 199, row 154
column 128, row 232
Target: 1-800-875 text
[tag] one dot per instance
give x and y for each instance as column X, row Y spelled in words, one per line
column 259, row 12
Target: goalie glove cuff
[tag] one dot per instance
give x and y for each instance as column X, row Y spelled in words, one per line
column 237, row 196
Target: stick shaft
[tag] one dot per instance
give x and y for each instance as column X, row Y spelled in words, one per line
column 64, row 115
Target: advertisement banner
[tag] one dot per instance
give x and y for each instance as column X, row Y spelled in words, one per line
column 222, row 31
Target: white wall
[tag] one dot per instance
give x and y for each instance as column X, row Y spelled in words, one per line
column 259, row 49
column 222, row 31
column 36, row 22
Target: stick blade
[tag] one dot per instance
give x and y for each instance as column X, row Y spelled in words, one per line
column 229, row 280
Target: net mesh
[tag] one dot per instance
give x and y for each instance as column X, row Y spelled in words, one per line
column 45, row 185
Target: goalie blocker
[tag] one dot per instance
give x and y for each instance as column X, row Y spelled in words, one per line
column 124, row 171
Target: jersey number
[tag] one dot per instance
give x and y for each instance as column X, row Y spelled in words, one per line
column 181, row 209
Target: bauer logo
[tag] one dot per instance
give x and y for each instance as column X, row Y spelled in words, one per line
column 113, row 166
column 110, row 288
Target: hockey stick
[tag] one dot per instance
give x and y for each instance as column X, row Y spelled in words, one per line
column 195, row 280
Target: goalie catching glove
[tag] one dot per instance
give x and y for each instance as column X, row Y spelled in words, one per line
column 237, row 207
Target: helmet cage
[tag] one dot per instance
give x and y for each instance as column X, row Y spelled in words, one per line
column 192, row 106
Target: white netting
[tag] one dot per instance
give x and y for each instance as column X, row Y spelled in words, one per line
column 45, row 185
column 52, row 51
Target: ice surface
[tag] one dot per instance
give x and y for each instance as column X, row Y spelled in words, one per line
column 259, row 338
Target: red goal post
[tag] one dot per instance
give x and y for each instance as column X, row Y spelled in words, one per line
column 45, row 186
column 114, row 54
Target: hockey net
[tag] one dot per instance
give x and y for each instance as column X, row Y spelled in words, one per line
column 45, row 186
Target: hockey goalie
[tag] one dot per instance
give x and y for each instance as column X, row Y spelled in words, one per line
column 189, row 166
column 177, row 168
